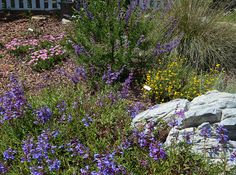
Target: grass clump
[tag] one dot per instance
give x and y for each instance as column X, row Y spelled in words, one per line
column 205, row 42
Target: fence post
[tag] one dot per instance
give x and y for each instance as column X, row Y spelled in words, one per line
column 58, row 4
column 25, row 4
column 42, row 4
column 33, row 4
column 8, row 4
column 49, row 4
column 16, row 2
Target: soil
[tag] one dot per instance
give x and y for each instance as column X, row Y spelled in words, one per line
column 33, row 81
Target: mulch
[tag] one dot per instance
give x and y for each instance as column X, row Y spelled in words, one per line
column 33, row 81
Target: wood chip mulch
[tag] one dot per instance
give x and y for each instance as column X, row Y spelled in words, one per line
column 32, row 81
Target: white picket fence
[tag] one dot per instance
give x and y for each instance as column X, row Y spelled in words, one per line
column 42, row 5
column 55, row 4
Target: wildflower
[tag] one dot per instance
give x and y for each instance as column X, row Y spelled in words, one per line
column 187, row 137
column 61, row 106
column 43, row 115
column 3, row 169
column 107, row 165
column 77, row 149
column 205, row 132
column 222, row 134
column 156, row 151
column 233, row 156
column 85, row 171
column 109, row 77
column 87, row 120
column 37, row 170
column 126, row 86
column 9, row 154
column 142, row 139
column 54, row 165
column 135, row 109
column 78, row 49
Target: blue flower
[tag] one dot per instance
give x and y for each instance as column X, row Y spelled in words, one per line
column 3, row 169
column 156, row 151
column 54, row 165
column 9, row 154
column 222, row 134
column 43, row 115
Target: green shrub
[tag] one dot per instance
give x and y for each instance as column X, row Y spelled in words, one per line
column 106, row 33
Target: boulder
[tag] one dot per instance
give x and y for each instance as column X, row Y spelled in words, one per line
column 161, row 111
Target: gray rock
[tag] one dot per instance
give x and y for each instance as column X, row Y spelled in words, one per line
column 201, row 145
column 228, row 113
column 163, row 111
column 210, row 108
column 65, row 21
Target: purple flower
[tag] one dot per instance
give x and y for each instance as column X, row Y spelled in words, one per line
column 233, row 156
column 12, row 102
column 156, row 151
column 9, row 154
column 78, row 49
column 62, row 106
column 187, row 137
column 3, row 169
column 222, row 134
column 107, row 165
column 205, row 132
column 87, row 120
column 109, row 77
column 78, row 149
column 126, row 86
column 37, row 170
column 85, row 171
column 142, row 139
column 43, row 115
column 54, row 165
column 134, row 109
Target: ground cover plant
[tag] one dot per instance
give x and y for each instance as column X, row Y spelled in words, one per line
column 84, row 126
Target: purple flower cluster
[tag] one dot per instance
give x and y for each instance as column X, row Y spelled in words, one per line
column 130, row 10
column 43, row 115
column 41, row 149
column 9, row 154
column 126, row 86
column 61, row 107
column 109, row 77
column 3, row 169
column 177, row 119
column 233, row 156
column 205, row 132
column 107, row 165
column 16, row 43
column 156, row 151
column 45, row 54
column 146, row 139
column 87, row 120
column 12, row 102
column 78, row 49
column 77, row 76
column 187, row 136
column 222, row 134
column 77, row 149
column 135, row 108
column 168, row 47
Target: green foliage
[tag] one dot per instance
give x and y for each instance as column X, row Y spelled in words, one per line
column 107, row 35
column 173, row 79
column 206, row 41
